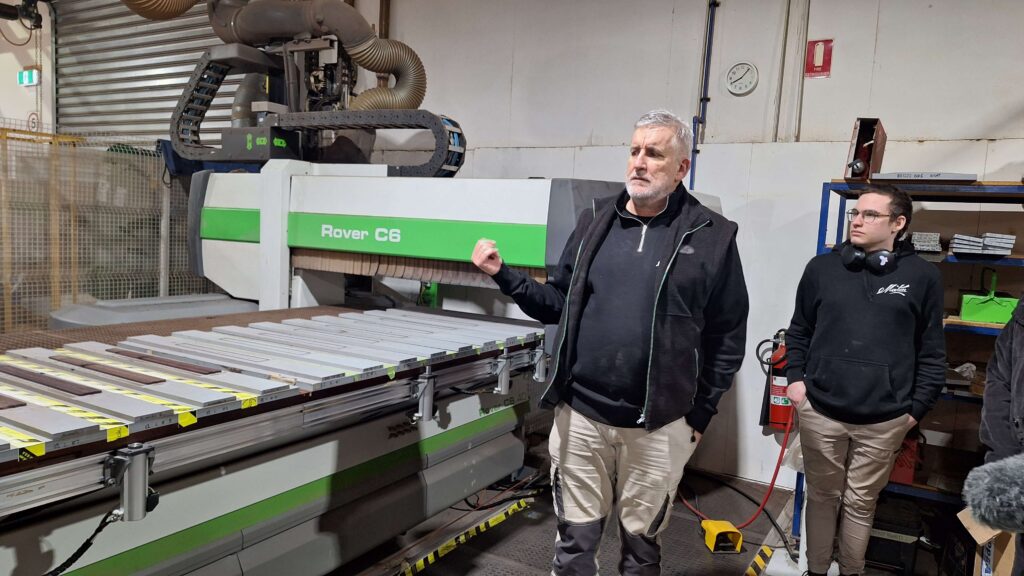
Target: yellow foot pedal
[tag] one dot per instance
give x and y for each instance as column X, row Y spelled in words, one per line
column 721, row 537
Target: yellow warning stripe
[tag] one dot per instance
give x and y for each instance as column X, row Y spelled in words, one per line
column 760, row 561
column 115, row 429
column 79, row 379
column 431, row 558
column 21, row 440
column 248, row 399
column 102, row 421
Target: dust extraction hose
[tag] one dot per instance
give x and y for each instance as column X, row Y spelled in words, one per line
column 259, row 22
column 159, row 9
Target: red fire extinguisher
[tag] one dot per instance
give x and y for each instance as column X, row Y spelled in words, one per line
column 776, row 411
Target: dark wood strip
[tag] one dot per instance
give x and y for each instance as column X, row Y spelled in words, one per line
column 48, row 381
column 8, row 402
column 109, row 370
column 194, row 368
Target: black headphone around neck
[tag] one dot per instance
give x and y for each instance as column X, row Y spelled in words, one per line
column 879, row 261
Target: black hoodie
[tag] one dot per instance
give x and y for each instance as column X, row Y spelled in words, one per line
column 868, row 346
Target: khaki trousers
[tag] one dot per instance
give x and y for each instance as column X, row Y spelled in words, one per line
column 846, row 466
column 593, row 465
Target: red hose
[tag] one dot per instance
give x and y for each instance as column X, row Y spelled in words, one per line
column 775, row 475
column 771, row 486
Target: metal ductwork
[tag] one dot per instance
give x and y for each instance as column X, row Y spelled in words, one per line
column 159, row 9
column 262, row 22
column 249, row 91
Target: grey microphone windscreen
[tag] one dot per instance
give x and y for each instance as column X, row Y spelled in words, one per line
column 995, row 492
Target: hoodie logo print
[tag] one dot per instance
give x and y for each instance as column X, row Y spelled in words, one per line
column 900, row 289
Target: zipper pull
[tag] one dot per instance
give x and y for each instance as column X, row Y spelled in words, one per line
column 642, row 417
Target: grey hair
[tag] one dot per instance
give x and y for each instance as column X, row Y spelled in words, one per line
column 682, row 131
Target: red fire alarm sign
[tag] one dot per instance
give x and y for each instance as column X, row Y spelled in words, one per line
column 818, row 62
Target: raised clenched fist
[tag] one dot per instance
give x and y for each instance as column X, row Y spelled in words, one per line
column 486, row 257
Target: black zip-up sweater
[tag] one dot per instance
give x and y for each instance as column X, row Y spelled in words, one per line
column 868, row 346
column 698, row 322
column 606, row 376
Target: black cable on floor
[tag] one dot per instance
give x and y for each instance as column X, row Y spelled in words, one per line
column 696, row 499
column 490, row 505
column 108, row 519
column 785, row 540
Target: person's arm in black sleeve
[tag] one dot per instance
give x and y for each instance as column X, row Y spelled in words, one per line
column 930, row 375
column 996, row 428
column 801, row 327
column 543, row 302
column 723, row 339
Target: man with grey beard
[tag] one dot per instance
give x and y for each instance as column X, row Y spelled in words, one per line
column 651, row 308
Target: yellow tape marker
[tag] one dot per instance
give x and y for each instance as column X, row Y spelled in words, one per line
column 116, row 433
column 250, row 403
column 30, row 452
column 391, row 373
column 186, row 419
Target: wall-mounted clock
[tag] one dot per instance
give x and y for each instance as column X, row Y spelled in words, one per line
column 741, row 79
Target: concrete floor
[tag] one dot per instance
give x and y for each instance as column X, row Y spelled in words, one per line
column 523, row 545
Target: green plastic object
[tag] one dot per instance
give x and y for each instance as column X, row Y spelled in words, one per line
column 987, row 307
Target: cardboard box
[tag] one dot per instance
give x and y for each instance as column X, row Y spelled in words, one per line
column 995, row 551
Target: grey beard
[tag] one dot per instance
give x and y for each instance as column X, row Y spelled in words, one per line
column 645, row 196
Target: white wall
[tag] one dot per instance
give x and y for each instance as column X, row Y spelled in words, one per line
column 551, row 89
column 18, row 102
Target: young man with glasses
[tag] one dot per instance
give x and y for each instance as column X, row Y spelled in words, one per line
column 866, row 361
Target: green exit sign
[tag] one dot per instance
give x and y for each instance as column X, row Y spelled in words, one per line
column 28, row 77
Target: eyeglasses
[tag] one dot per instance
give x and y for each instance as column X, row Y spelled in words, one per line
column 869, row 215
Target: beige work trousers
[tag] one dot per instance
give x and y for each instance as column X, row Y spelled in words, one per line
column 593, row 465
column 846, row 466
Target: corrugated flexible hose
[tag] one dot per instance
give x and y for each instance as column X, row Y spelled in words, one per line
column 159, row 9
column 393, row 57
